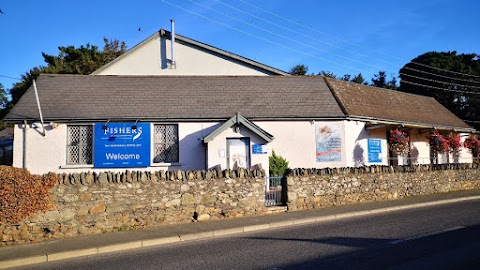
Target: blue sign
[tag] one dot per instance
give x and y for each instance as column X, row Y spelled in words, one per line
column 119, row 145
column 374, row 150
column 259, row 149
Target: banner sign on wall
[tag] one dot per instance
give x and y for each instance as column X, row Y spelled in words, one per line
column 328, row 142
column 118, row 145
column 374, row 151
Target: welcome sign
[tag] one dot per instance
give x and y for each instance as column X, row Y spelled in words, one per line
column 119, row 145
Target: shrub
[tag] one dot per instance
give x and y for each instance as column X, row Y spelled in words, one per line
column 23, row 194
column 277, row 165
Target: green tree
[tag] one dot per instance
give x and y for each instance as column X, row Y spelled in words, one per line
column 3, row 97
column 299, row 70
column 327, row 73
column 346, row 77
column 277, row 165
column 380, row 79
column 359, row 79
column 70, row 60
column 452, row 79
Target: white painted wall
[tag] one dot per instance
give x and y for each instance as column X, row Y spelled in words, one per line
column 295, row 141
column 217, row 149
column 419, row 147
column 152, row 58
column 356, row 144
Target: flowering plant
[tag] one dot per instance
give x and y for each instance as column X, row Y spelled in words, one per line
column 438, row 143
column 454, row 142
column 399, row 141
column 471, row 143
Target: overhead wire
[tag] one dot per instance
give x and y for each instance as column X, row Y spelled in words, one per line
column 258, row 37
column 281, row 36
column 436, row 81
column 297, row 32
column 305, row 44
column 349, row 42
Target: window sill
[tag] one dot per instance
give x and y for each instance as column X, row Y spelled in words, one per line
column 80, row 166
column 173, row 164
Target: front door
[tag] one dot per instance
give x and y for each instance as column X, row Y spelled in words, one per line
column 238, row 153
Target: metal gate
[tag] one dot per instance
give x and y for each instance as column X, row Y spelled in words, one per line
column 273, row 190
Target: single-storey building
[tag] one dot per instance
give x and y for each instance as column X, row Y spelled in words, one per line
column 115, row 123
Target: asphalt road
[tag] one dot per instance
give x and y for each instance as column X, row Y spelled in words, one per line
column 440, row 237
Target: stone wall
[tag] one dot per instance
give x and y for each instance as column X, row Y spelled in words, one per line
column 313, row 188
column 88, row 203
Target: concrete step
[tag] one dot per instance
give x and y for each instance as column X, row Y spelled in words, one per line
column 275, row 209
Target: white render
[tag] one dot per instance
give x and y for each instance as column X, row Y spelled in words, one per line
column 153, row 57
column 293, row 140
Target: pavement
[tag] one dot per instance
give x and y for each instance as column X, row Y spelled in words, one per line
column 22, row 255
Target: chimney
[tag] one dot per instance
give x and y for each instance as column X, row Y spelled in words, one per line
column 172, row 42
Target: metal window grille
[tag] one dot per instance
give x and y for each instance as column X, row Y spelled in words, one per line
column 79, row 145
column 166, row 143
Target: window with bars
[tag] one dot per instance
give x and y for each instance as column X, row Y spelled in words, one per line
column 166, row 144
column 79, row 145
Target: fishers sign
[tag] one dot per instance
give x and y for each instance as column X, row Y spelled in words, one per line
column 120, row 145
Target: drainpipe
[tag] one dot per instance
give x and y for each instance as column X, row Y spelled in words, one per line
column 172, row 33
column 25, row 127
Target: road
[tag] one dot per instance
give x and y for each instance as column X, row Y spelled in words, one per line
column 440, row 237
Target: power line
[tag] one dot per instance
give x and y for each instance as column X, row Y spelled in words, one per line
column 439, row 88
column 441, row 76
column 435, row 81
column 296, row 32
column 8, row 77
column 446, row 70
column 282, row 36
column 258, row 37
column 352, row 43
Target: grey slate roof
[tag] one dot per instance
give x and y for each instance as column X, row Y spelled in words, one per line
column 176, row 98
column 204, row 47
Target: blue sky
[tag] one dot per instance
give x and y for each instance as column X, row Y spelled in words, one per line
column 339, row 36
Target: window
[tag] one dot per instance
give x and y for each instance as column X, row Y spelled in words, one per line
column 79, row 145
column 166, row 144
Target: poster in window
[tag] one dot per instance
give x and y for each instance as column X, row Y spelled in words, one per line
column 328, row 142
column 120, row 145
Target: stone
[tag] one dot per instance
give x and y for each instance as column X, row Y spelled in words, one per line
column 188, row 199
column 184, row 188
column 143, row 177
column 89, row 179
column 102, row 178
column 203, row 217
column 208, row 200
column 50, row 216
column 190, row 176
column 173, row 203
column 99, row 208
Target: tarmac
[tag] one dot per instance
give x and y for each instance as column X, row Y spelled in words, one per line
column 27, row 254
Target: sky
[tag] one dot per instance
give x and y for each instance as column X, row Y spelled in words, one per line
column 342, row 36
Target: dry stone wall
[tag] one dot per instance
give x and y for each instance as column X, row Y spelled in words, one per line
column 90, row 203
column 314, row 188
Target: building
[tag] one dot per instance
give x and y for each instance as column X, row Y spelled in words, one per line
column 158, row 55
column 113, row 123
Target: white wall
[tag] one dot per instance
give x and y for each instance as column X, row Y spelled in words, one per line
column 295, row 141
column 357, row 144
column 217, row 149
column 152, row 58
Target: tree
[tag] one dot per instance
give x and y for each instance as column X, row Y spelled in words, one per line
column 346, row 77
column 299, row 70
column 359, row 79
column 380, row 79
column 452, row 79
column 70, row 60
column 277, row 165
column 3, row 97
column 326, row 73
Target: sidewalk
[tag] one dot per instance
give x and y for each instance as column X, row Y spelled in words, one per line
column 12, row 256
